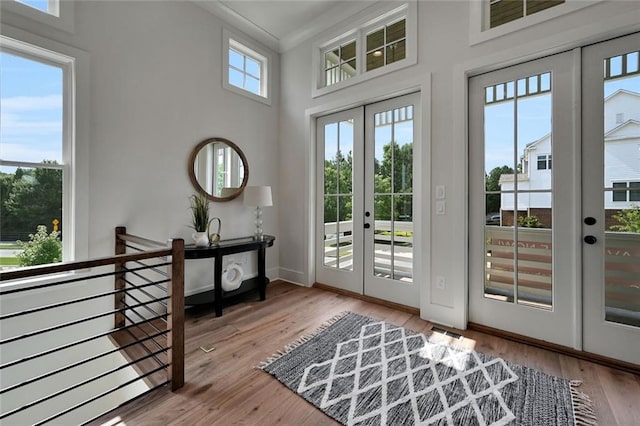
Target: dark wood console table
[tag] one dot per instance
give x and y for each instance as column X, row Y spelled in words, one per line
column 218, row 251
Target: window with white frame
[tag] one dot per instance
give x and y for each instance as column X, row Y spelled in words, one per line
column 626, row 191
column 376, row 44
column 503, row 11
column 246, row 68
column 54, row 13
column 52, row 7
column 35, row 161
column 544, row 162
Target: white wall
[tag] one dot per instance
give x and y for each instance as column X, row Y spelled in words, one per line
column 155, row 92
column 445, row 53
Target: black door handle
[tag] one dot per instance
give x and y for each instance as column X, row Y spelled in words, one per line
column 590, row 239
column 590, row 220
column 367, row 225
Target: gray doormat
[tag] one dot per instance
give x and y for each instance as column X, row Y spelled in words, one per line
column 362, row 371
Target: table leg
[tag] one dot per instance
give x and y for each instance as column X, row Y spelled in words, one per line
column 217, row 282
column 262, row 274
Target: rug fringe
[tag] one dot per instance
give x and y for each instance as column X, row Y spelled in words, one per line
column 302, row 339
column 583, row 412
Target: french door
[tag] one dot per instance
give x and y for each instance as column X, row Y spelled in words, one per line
column 611, row 198
column 365, row 208
column 523, row 250
column 555, row 195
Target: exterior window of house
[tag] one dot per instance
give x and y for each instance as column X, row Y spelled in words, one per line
column 626, row 191
column 386, row 45
column 503, row 11
column 247, row 68
column 544, row 162
column 340, row 63
column 35, row 162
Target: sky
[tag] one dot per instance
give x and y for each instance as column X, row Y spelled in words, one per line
column 30, row 110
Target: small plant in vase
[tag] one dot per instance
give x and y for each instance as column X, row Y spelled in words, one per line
column 200, row 219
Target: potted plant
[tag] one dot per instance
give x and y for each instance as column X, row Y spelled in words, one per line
column 200, row 219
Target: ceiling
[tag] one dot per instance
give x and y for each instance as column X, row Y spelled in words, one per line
column 282, row 24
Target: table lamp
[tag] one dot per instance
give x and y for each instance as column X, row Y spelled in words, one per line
column 259, row 196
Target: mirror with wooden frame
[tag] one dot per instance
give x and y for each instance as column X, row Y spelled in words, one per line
column 218, row 169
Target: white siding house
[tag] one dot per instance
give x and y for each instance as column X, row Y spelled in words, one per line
column 622, row 161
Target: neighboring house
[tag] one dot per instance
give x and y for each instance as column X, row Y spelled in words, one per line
column 622, row 165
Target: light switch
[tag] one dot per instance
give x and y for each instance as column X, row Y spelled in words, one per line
column 441, row 207
column 440, row 192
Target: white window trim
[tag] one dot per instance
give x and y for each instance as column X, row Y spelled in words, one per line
column 480, row 32
column 360, row 25
column 75, row 192
column 62, row 16
column 254, row 51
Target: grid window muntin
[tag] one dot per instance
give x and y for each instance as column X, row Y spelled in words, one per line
column 246, row 69
column 626, row 191
column 504, row 11
column 340, row 62
column 386, row 44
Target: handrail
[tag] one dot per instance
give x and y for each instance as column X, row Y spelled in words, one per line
column 148, row 326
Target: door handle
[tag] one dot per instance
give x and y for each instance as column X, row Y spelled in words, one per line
column 590, row 239
column 367, row 225
column 589, row 220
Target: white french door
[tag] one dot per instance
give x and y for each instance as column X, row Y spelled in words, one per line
column 554, row 149
column 611, row 198
column 365, row 208
column 523, row 177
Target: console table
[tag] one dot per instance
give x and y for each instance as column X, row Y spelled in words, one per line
column 218, row 251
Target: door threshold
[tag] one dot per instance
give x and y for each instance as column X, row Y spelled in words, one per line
column 409, row 309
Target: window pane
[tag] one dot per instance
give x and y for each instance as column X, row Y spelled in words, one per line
column 375, row 60
column 634, row 191
column 42, row 5
column 252, row 85
column 396, row 52
column 348, row 51
column 396, row 31
column 534, row 6
column 331, row 231
column 345, row 157
column 382, row 236
column 375, row 40
column 503, row 11
column 620, row 195
column 236, row 78
column 253, row 68
column 330, row 158
column 236, row 59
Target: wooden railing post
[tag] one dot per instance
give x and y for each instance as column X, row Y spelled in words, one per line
column 119, row 298
column 175, row 315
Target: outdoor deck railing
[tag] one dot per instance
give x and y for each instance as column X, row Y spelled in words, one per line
column 74, row 345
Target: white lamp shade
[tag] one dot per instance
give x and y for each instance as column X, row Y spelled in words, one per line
column 257, row 196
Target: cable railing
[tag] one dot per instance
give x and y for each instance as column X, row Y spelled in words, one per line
column 78, row 339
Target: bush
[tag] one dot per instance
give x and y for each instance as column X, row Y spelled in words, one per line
column 628, row 219
column 41, row 249
column 529, row 222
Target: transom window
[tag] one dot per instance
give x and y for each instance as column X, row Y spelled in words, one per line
column 386, row 45
column 340, row 63
column 544, row 162
column 52, row 7
column 503, row 11
column 626, row 191
column 377, row 43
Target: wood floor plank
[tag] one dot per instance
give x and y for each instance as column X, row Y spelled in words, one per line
column 223, row 387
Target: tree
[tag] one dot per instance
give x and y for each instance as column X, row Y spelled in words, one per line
column 31, row 198
column 492, row 184
column 628, row 220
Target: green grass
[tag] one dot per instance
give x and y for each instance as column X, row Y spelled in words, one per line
column 8, row 261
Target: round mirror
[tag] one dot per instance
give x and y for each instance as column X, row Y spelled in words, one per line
column 218, row 169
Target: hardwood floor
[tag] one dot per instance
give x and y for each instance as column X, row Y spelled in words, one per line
column 223, row 387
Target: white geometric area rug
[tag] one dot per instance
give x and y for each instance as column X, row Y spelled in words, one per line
column 362, row 371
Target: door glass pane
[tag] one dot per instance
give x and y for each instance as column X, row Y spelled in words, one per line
column 338, row 197
column 393, row 194
column 621, row 189
column 518, row 191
